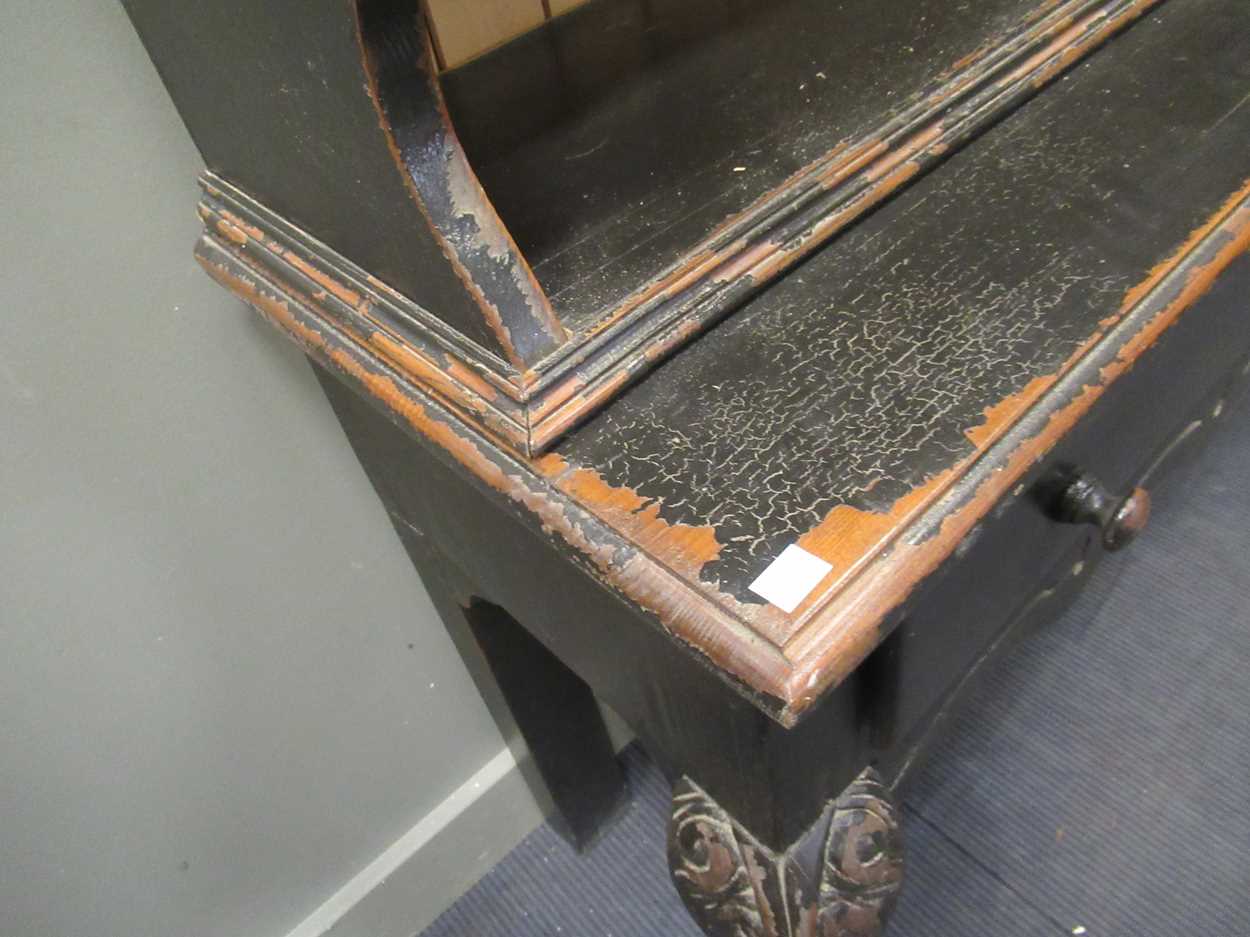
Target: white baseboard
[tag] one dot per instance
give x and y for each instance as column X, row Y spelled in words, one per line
column 415, row 879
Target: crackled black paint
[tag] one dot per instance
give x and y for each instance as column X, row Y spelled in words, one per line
column 855, row 379
column 594, row 163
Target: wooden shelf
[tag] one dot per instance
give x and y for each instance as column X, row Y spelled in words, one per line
column 614, row 142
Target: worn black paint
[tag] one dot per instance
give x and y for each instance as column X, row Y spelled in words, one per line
column 276, row 97
column 774, row 780
column 609, row 139
column 853, row 380
column 400, row 59
column 866, row 366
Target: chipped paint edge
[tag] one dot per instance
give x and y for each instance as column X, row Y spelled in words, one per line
column 755, row 665
column 846, row 626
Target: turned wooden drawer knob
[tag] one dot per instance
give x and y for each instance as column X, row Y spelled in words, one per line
column 1120, row 517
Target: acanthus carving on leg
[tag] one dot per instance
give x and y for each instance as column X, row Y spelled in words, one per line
column 712, row 869
column 839, row 880
column 862, row 869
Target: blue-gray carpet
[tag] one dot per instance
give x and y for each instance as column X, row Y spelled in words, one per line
column 1099, row 778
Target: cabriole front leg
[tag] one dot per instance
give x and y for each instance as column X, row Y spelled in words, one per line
column 840, row 879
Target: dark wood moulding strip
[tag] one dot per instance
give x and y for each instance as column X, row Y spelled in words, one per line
column 274, row 234
column 382, row 322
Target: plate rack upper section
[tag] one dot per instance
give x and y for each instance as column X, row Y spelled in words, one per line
column 528, row 234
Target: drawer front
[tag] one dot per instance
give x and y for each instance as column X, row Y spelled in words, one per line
column 1020, row 563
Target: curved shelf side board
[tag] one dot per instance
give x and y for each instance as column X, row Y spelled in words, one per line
column 403, row 77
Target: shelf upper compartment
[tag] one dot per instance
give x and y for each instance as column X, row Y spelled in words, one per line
column 615, row 140
column 602, row 189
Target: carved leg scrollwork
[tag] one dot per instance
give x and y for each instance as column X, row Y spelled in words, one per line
column 839, row 880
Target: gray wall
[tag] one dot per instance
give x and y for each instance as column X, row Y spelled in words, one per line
column 223, row 692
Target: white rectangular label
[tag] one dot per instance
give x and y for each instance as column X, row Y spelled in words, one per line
column 790, row 577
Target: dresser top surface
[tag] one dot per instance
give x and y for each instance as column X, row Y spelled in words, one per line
column 838, row 409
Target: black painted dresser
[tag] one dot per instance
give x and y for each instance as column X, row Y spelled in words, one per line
column 760, row 369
